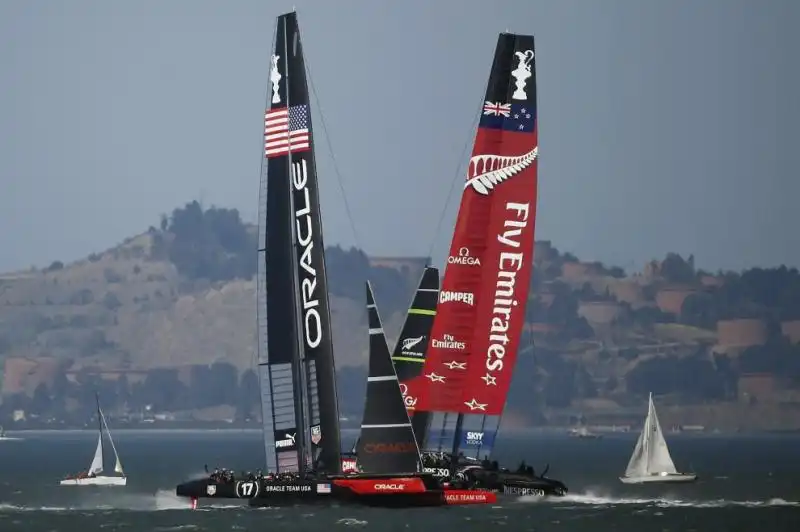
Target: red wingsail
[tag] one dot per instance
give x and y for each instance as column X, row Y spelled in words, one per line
column 481, row 310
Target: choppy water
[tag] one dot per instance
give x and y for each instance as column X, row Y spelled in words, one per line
column 749, row 483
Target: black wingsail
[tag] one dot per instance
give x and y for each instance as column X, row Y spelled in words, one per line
column 387, row 443
column 298, row 382
column 409, row 352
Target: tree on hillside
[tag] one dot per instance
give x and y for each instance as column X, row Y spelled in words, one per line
column 211, row 244
column 694, row 377
column 349, row 270
column 677, row 270
column 700, row 310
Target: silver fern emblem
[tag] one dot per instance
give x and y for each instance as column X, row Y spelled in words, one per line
column 409, row 343
column 486, row 171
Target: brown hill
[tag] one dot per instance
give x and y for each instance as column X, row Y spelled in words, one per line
column 124, row 309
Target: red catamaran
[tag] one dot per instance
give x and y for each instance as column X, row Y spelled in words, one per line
column 476, row 332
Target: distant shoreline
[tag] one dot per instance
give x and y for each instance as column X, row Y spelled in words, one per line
column 547, row 431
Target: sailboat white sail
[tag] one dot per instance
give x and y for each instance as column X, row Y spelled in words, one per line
column 651, row 461
column 94, row 475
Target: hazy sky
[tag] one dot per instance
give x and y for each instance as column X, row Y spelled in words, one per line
column 663, row 125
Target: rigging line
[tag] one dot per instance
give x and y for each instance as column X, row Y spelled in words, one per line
column 456, row 177
column 339, row 179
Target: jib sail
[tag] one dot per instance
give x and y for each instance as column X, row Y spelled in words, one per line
column 387, row 443
column 481, row 310
column 409, row 352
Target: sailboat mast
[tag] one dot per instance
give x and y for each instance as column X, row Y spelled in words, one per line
column 292, row 274
column 281, row 387
column 298, row 361
column 312, row 288
column 99, row 418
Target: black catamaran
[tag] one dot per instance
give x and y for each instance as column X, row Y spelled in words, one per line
column 296, row 365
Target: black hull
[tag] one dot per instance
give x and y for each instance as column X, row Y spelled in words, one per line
column 532, row 487
column 518, row 484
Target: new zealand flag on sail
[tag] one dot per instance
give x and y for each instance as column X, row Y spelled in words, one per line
column 519, row 117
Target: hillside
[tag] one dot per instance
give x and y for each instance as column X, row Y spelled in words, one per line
column 174, row 309
column 122, row 308
column 133, row 308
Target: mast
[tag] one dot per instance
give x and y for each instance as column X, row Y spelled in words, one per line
column 313, row 286
column 99, row 418
column 98, row 464
column 298, row 378
column 387, row 443
column 412, row 344
column 279, row 348
column 481, row 310
column 117, row 461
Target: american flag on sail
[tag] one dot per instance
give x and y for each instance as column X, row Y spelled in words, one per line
column 286, row 130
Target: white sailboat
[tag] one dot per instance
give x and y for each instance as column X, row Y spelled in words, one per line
column 94, row 476
column 651, row 461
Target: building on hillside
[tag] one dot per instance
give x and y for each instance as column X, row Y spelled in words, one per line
column 599, row 314
column 577, row 272
column 670, row 299
column 741, row 333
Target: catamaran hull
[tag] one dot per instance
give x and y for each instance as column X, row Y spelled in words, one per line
column 95, row 481
column 379, row 491
column 661, row 478
column 514, row 483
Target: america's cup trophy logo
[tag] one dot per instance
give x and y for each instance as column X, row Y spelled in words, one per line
column 522, row 73
column 275, row 78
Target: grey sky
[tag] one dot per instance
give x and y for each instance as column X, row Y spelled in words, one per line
column 664, row 125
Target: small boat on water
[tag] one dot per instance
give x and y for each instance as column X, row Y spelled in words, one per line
column 651, row 461
column 94, row 475
column 584, row 433
column 5, row 437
